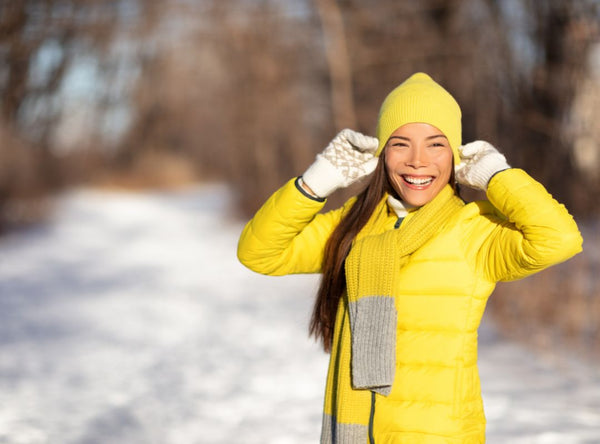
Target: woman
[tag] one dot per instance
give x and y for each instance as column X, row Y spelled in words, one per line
column 407, row 265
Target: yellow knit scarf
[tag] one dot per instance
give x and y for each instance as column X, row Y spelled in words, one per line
column 363, row 358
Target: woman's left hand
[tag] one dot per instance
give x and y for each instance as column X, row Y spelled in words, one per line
column 479, row 161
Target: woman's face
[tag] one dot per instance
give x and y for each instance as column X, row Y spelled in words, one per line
column 418, row 161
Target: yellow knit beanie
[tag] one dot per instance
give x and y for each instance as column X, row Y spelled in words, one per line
column 419, row 99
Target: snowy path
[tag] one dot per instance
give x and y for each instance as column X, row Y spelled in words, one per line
column 128, row 320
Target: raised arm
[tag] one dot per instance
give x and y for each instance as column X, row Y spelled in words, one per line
column 287, row 235
column 533, row 230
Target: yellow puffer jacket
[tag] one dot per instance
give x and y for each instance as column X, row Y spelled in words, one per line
column 441, row 295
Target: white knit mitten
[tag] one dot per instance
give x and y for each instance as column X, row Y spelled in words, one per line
column 349, row 157
column 479, row 161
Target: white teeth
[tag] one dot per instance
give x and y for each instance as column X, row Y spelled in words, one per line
column 418, row 181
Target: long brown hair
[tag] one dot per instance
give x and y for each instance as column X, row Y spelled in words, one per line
column 333, row 280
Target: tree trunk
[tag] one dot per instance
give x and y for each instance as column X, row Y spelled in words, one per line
column 338, row 60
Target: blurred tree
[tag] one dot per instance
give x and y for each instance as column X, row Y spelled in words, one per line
column 47, row 48
column 240, row 96
column 562, row 33
column 340, row 71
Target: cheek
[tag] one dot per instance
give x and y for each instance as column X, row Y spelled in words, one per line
column 448, row 170
column 389, row 171
column 389, row 163
column 446, row 164
column 393, row 158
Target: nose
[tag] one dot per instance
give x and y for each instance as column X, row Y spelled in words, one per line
column 418, row 157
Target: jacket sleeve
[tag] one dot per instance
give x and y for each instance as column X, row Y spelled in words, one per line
column 532, row 232
column 288, row 234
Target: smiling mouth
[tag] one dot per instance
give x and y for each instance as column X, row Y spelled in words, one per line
column 418, row 181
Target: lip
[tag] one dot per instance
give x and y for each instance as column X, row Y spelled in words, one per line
column 417, row 182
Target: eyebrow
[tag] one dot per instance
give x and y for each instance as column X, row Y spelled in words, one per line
column 435, row 136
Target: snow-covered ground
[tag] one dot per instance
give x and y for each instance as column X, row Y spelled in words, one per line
column 127, row 319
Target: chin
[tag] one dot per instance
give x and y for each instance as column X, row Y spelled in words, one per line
column 418, row 198
column 417, row 202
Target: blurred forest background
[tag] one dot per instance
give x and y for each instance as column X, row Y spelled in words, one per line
column 137, row 94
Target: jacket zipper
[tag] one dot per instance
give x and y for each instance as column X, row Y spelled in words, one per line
column 371, row 416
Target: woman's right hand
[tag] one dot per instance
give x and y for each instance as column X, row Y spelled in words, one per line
column 349, row 157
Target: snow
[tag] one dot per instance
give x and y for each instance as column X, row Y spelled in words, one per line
column 128, row 319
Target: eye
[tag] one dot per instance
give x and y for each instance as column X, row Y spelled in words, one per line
column 438, row 145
